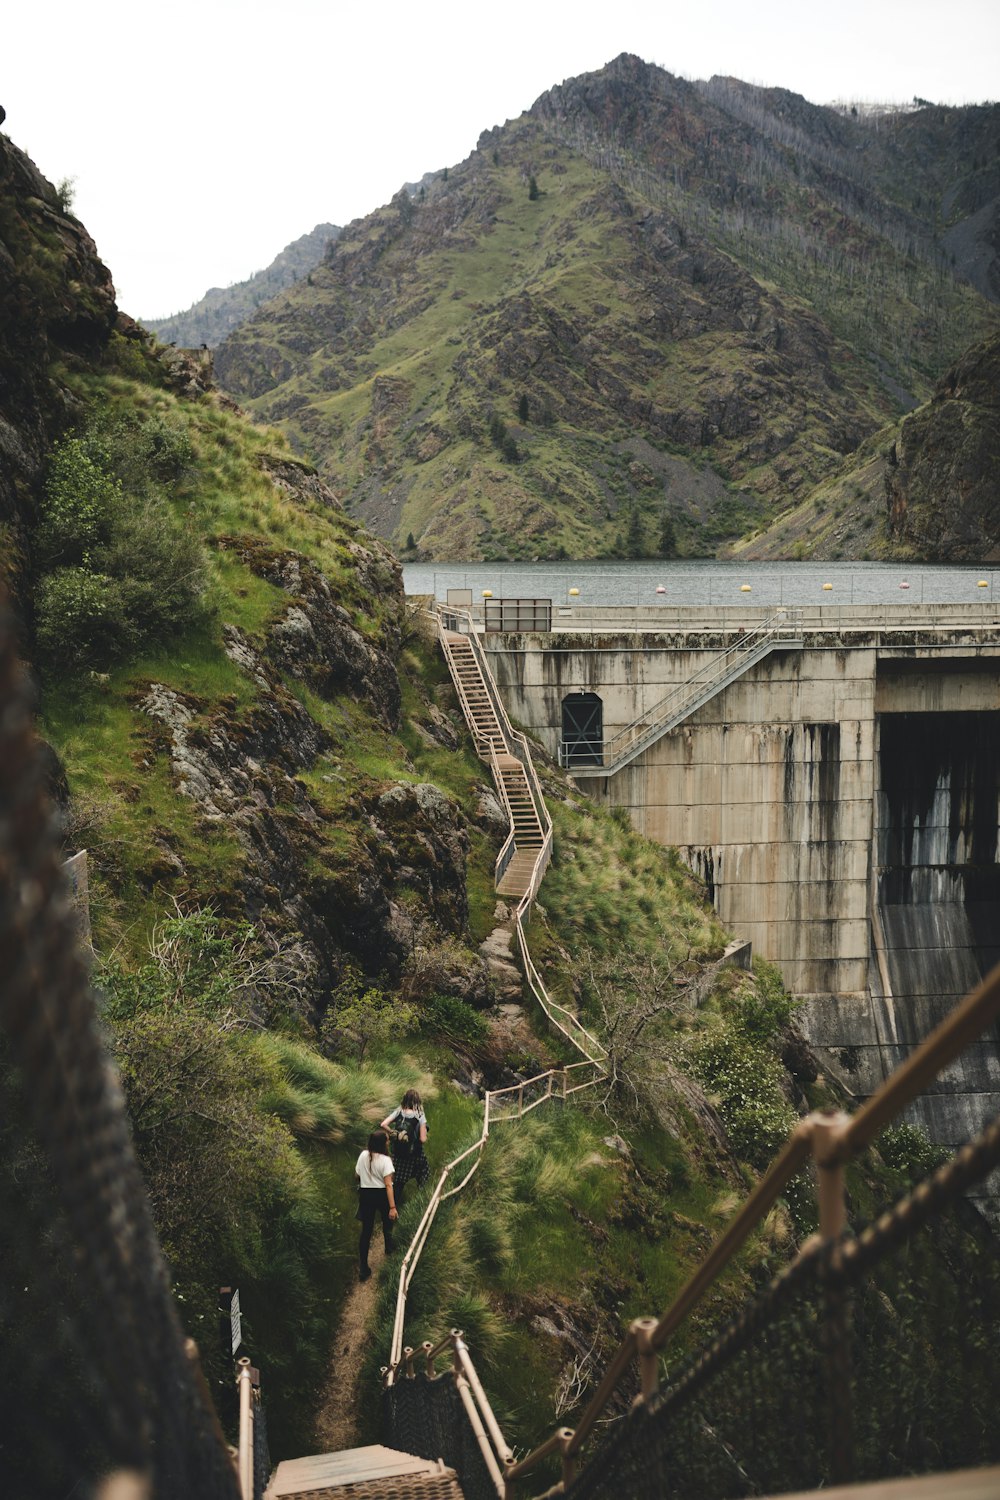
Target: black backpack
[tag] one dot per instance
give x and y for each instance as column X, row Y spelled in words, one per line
column 406, row 1129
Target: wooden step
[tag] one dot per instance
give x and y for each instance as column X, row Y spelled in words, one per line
column 373, row 1473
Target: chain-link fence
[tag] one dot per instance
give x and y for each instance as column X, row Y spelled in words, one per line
column 95, row 1373
column 873, row 1356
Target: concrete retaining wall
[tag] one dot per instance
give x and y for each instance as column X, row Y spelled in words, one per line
column 773, row 792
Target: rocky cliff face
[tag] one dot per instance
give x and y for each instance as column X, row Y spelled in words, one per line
column 56, row 299
column 266, row 815
column 223, row 308
column 941, row 476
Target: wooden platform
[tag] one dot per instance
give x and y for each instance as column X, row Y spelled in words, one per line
column 373, row 1473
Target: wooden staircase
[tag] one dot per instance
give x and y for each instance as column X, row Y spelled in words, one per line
column 529, row 835
column 474, row 695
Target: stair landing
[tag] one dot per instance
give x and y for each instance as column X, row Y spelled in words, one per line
column 372, row 1473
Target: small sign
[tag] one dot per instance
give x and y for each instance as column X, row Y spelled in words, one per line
column 235, row 1321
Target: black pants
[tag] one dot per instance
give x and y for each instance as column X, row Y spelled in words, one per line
column 373, row 1201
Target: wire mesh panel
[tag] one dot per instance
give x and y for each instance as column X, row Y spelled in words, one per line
column 871, row 1357
column 94, row 1371
column 426, row 1417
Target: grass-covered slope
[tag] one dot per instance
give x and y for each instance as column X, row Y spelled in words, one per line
column 639, row 318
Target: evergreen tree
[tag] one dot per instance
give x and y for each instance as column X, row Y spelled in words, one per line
column 635, row 540
column 668, row 536
column 522, row 409
column 532, row 187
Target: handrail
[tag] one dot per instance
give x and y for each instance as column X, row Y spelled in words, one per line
column 517, row 744
column 480, row 1416
column 682, row 699
column 832, row 1139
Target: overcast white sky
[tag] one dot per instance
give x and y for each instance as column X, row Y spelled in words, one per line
column 205, row 135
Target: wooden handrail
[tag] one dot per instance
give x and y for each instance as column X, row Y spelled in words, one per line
column 832, row 1139
column 504, row 1451
column 794, row 1154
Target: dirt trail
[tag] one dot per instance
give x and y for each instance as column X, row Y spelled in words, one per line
column 337, row 1420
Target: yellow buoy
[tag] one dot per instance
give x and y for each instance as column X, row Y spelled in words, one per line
column 487, row 593
column 983, row 583
column 573, row 593
column 744, row 588
column 828, row 585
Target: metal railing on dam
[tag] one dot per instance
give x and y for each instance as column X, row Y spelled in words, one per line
column 780, row 631
column 609, row 620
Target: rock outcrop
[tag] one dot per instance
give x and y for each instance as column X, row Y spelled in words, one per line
column 942, row 495
column 56, row 300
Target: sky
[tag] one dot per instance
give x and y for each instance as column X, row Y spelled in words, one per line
column 205, row 135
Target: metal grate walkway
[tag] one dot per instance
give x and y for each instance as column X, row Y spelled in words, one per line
column 372, row 1473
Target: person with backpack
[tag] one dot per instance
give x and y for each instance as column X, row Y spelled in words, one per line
column 374, row 1174
column 407, row 1127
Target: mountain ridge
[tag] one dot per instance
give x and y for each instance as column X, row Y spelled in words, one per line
column 714, row 274
column 206, row 322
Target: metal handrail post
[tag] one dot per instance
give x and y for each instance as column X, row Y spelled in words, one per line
column 245, row 1450
column 649, row 1359
column 828, row 1134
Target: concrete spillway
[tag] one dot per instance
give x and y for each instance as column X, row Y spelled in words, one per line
column 939, row 898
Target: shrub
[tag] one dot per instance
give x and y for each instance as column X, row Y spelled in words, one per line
column 744, row 1081
column 122, row 573
column 140, row 451
column 908, row 1149
column 81, row 620
column 360, row 1017
column 453, row 1020
column 760, row 1009
column 232, row 1198
column 78, row 506
column 160, row 568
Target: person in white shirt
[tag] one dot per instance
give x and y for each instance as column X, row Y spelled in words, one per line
column 374, row 1174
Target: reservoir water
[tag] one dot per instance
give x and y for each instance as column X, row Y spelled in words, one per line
column 710, row 582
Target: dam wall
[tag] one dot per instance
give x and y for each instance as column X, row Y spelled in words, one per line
column 840, row 801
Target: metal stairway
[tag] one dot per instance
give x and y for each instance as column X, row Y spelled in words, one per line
column 495, row 742
column 474, row 695
column 778, row 633
column 529, row 835
column 372, row 1473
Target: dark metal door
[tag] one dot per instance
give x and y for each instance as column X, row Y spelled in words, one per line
column 582, row 730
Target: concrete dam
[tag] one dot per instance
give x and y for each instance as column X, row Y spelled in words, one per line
column 833, row 775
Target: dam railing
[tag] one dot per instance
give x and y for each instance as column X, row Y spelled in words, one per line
column 678, row 618
column 780, row 631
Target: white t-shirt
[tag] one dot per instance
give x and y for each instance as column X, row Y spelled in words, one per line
column 374, row 1176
